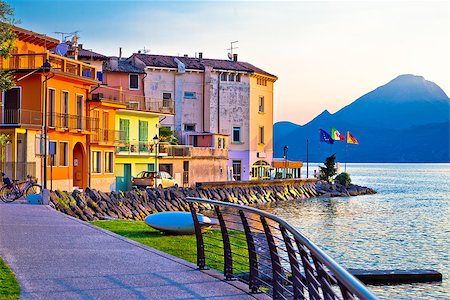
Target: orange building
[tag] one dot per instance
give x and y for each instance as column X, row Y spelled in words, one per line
column 65, row 115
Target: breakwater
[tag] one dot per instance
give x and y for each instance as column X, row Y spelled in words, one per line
column 92, row 205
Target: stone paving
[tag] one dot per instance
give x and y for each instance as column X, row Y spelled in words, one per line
column 55, row 256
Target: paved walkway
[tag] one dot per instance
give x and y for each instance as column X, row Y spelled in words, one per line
column 58, row 257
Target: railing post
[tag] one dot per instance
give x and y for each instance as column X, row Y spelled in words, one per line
column 199, row 237
column 311, row 281
column 277, row 270
column 297, row 277
column 252, row 257
column 227, row 256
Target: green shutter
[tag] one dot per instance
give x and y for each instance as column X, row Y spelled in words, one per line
column 143, row 136
column 124, row 126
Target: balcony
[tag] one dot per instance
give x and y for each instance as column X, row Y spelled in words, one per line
column 148, row 149
column 32, row 61
column 71, row 122
column 108, row 137
column 134, row 102
column 21, row 117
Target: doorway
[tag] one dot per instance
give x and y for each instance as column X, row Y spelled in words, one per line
column 79, row 165
column 11, row 108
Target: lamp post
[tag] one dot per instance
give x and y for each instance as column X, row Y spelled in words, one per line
column 156, row 142
column 285, row 150
column 45, row 70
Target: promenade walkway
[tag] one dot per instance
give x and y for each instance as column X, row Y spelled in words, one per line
column 58, row 257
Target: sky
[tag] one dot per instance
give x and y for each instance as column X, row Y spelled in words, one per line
column 325, row 54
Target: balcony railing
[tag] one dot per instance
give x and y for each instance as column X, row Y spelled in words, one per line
column 71, row 122
column 16, row 117
column 32, row 61
column 148, row 148
column 274, row 257
column 134, row 102
column 108, row 137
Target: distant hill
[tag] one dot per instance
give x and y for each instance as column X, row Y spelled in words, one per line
column 405, row 120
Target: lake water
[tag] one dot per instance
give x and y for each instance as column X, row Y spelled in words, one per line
column 406, row 225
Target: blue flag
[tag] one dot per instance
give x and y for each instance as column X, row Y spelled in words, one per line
column 325, row 137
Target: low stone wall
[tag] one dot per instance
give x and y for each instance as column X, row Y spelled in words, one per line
column 137, row 204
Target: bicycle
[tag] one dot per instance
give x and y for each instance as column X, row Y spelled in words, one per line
column 10, row 191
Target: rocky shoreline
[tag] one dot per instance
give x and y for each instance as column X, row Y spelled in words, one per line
column 137, row 204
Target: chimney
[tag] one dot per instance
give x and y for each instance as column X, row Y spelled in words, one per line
column 139, row 51
column 114, row 63
column 80, row 46
column 234, row 57
column 200, row 55
column 185, row 55
column 120, row 53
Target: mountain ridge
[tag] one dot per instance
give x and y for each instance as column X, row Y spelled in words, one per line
column 404, row 120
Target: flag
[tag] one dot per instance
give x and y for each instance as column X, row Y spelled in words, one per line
column 325, row 137
column 336, row 135
column 351, row 139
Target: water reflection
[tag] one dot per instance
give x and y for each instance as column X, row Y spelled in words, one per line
column 404, row 226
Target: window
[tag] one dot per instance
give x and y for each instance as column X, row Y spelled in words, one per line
column 105, row 128
column 124, row 127
column 237, row 170
column 143, row 136
column 79, row 112
column 261, row 104
column 223, row 77
column 189, row 127
column 96, row 161
column 134, row 81
column 238, row 77
column 64, row 109
column 190, row 95
column 52, row 153
column 167, row 97
column 231, row 77
column 95, row 121
column 51, row 107
column 63, row 154
column 236, row 134
column 109, row 162
column 261, row 134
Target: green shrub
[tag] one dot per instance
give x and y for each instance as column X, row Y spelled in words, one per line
column 329, row 170
column 343, row 179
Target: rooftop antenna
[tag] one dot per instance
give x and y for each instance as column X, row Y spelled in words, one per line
column 230, row 55
column 68, row 35
column 145, row 51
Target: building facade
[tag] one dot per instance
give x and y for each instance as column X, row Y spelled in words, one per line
column 49, row 100
column 219, row 98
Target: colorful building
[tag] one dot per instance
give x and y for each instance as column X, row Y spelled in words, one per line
column 136, row 122
column 216, row 99
column 51, row 101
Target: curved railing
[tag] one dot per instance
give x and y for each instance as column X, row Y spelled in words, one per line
column 269, row 254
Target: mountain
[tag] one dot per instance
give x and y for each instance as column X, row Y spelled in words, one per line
column 405, row 120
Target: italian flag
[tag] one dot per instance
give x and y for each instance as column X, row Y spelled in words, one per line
column 336, row 135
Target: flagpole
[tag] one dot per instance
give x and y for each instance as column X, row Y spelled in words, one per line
column 345, row 166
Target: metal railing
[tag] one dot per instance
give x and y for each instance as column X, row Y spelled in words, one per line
column 148, row 148
column 32, row 61
column 134, row 102
column 21, row 117
column 19, row 170
column 270, row 255
column 71, row 122
column 108, row 137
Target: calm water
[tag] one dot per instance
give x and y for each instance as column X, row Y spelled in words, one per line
column 404, row 226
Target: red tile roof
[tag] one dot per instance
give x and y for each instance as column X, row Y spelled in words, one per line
column 166, row 61
column 84, row 53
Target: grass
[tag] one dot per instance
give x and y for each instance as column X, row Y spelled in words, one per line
column 9, row 288
column 183, row 246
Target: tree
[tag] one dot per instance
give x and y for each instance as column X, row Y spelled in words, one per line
column 4, row 140
column 7, row 40
column 166, row 135
column 326, row 173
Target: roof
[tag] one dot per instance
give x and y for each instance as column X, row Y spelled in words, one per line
column 193, row 63
column 91, row 54
column 122, row 66
column 35, row 38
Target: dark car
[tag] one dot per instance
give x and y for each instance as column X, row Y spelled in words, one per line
column 147, row 179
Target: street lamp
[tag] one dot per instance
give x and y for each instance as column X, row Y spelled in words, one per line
column 46, row 67
column 156, row 142
column 285, row 150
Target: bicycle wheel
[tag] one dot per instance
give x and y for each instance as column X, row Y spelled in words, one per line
column 7, row 194
column 33, row 189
